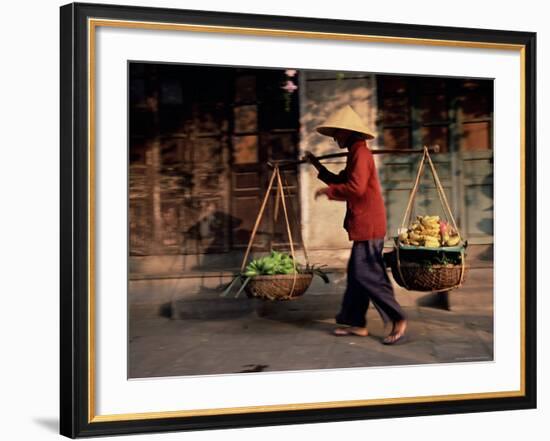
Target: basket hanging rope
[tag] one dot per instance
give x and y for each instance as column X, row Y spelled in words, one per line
column 277, row 286
column 421, row 268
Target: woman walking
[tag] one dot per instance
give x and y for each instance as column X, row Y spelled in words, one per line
column 365, row 223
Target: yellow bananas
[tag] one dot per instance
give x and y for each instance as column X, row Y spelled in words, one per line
column 431, row 232
column 453, row 241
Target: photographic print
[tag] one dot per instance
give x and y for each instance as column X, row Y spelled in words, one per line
column 285, row 220
column 291, row 219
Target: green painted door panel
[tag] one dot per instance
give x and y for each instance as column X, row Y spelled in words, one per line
column 467, row 179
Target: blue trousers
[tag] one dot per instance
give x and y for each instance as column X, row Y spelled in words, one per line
column 368, row 282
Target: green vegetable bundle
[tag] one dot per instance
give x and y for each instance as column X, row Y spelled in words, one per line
column 275, row 263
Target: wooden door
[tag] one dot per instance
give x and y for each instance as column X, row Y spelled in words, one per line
column 475, row 118
column 456, row 115
column 200, row 139
column 265, row 128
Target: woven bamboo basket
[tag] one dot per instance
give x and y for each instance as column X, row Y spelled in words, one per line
column 419, row 268
column 279, row 286
column 417, row 277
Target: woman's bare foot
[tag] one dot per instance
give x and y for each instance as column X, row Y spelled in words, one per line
column 351, row 330
column 397, row 333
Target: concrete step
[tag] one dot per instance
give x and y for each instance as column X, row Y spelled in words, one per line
column 227, row 264
column 166, row 296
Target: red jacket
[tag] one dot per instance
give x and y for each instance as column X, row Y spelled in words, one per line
column 359, row 186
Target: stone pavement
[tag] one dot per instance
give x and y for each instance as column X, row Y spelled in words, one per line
column 183, row 327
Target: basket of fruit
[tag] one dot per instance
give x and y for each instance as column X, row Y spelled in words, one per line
column 429, row 253
column 428, row 256
column 276, row 277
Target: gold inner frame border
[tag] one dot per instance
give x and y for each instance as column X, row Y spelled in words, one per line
column 92, row 25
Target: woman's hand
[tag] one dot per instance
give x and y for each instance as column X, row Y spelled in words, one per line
column 312, row 159
column 320, row 192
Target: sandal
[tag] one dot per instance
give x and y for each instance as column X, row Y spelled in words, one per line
column 399, row 340
column 350, row 331
column 396, row 337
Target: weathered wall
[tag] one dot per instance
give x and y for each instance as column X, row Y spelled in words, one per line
column 464, row 166
column 322, row 93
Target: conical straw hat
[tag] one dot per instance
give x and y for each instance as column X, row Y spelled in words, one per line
column 344, row 118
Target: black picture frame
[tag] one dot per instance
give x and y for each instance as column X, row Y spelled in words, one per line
column 77, row 419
